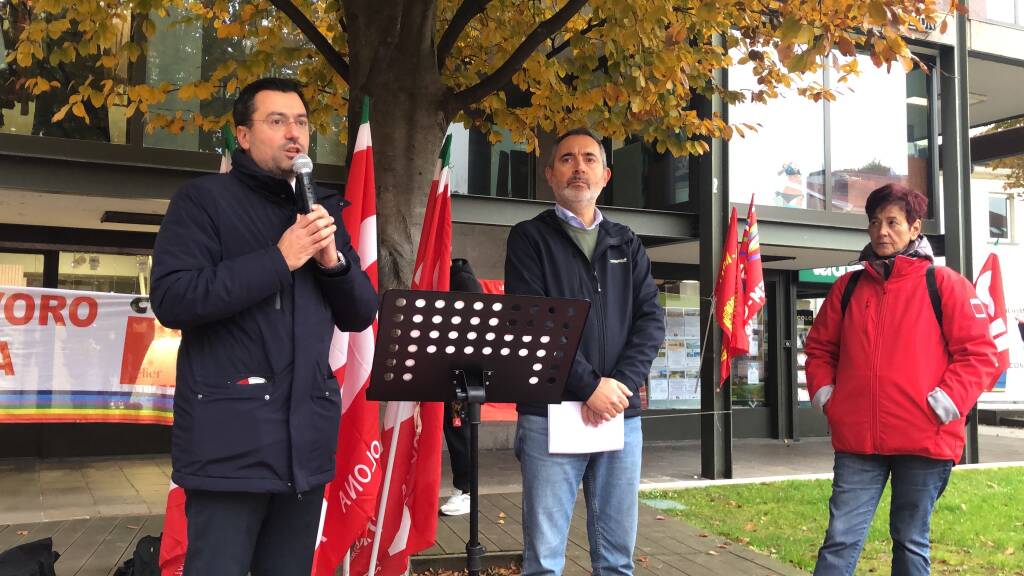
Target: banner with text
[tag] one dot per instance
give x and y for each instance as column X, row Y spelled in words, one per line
column 70, row 356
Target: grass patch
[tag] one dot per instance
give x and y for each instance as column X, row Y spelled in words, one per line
column 977, row 527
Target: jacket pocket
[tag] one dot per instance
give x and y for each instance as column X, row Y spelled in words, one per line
column 236, row 426
column 325, row 418
column 848, row 418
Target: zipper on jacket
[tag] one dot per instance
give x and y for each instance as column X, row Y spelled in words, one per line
column 599, row 301
column 277, row 301
column 598, row 296
column 874, row 370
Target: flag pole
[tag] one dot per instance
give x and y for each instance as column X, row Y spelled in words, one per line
column 384, row 496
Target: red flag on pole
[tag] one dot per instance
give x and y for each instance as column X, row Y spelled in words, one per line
column 407, row 516
column 350, row 498
column 726, row 294
column 751, row 297
column 989, row 287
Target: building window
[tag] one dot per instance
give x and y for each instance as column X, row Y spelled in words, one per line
column 675, row 374
column 877, row 132
column 184, row 50
column 20, row 269
column 674, row 380
column 999, row 208
column 92, row 272
column 503, row 170
column 997, row 11
column 21, row 112
column 782, row 163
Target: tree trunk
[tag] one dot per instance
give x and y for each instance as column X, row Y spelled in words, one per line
column 392, row 60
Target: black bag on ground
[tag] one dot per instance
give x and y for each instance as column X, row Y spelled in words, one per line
column 145, row 561
column 29, row 559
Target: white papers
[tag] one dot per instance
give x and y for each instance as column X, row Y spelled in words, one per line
column 567, row 434
column 753, row 375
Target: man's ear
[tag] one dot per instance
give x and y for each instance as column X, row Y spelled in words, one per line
column 242, row 135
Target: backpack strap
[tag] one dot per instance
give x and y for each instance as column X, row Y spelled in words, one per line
column 848, row 290
column 933, row 294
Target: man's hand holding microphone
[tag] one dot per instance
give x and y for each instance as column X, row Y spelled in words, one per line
column 312, row 234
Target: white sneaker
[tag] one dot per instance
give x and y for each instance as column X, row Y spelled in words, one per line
column 457, row 504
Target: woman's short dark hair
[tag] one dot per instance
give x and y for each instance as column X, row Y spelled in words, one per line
column 245, row 104
column 914, row 204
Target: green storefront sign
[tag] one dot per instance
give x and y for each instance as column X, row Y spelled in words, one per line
column 826, row 275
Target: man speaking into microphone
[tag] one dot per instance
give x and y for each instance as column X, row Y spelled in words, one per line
column 256, row 275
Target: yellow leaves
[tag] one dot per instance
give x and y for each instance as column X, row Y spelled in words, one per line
column 58, row 27
column 230, row 30
column 35, row 31
column 615, row 95
column 61, row 113
column 149, row 27
column 24, row 54
column 846, row 46
column 133, row 50
column 78, row 109
column 877, row 14
column 790, row 29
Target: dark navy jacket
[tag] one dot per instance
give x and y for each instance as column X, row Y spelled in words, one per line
column 626, row 325
column 256, row 408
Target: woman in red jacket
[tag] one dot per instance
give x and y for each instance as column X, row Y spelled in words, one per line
column 896, row 373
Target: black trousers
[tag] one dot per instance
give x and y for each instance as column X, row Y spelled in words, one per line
column 457, row 440
column 233, row 533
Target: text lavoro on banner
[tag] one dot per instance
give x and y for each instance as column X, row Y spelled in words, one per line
column 70, row 356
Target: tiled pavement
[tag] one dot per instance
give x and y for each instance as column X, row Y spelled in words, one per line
column 666, row 547
column 97, row 507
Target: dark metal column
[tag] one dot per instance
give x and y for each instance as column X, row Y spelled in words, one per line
column 716, row 417
column 956, row 178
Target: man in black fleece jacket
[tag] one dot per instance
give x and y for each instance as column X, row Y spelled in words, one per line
column 573, row 252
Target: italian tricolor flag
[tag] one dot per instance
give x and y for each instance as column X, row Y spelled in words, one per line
column 350, row 499
column 230, row 145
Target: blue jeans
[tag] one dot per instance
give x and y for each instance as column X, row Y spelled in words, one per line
column 917, row 482
column 610, row 480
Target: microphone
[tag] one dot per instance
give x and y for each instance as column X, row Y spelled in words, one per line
column 304, row 193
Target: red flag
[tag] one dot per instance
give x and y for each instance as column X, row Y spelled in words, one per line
column 989, row 287
column 412, row 431
column 726, row 294
column 751, row 296
column 492, row 286
column 174, row 541
column 350, row 498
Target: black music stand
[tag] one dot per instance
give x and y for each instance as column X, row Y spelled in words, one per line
column 474, row 348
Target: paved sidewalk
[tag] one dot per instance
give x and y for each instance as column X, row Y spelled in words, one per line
column 97, row 508
column 33, row 490
column 665, row 547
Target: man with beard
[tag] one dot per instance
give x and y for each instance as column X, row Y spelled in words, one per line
column 256, row 291
column 572, row 251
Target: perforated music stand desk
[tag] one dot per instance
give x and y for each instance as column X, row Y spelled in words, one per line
column 474, row 348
